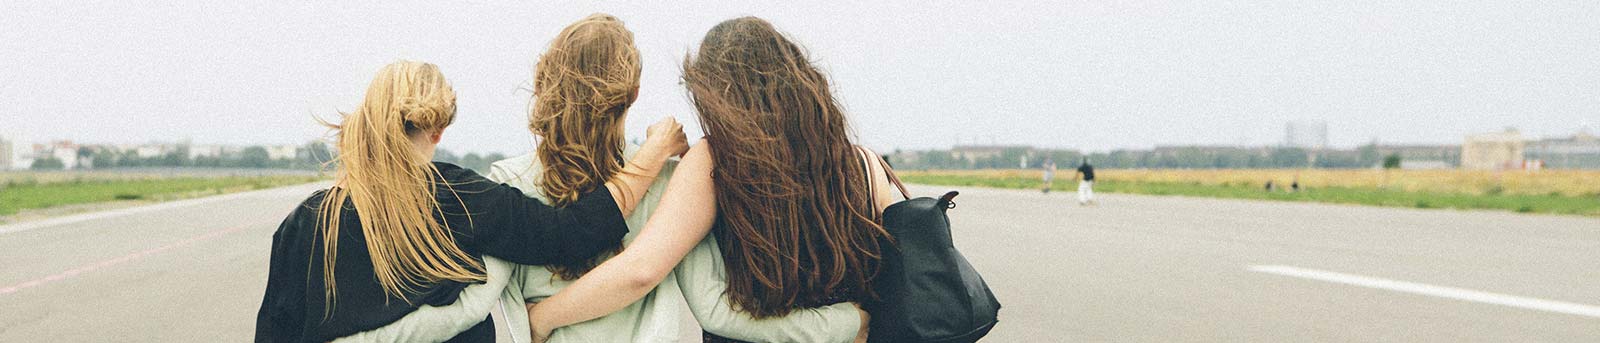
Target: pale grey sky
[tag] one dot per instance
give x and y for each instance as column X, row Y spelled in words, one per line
column 1086, row 75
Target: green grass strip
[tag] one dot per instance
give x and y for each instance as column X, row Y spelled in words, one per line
column 22, row 196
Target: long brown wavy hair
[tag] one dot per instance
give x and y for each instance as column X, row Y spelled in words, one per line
column 795, row 219
column 583, row 86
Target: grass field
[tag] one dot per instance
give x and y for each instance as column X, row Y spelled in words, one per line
column 1560, row 192
column 27, row 190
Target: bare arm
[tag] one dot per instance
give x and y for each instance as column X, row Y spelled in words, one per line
column 664, row 139
column 685, row 215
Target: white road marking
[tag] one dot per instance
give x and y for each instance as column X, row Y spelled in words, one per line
column 1431, row 290
column 85, row 269
column 25, row 226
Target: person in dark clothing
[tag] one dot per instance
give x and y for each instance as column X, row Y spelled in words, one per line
column 1086, row 184
column 396, row 232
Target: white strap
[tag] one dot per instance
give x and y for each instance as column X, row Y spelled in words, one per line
column 510, row 334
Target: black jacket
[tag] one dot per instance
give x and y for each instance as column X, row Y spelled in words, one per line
column 504, row 223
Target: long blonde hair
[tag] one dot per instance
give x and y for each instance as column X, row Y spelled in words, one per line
column 391, row 184
column 583, row 86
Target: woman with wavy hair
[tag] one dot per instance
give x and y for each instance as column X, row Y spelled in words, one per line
column 397, row 232
column 788, row 197
column 584, row 84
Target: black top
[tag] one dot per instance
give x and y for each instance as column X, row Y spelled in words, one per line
column 504, row 224
column 1088, row 172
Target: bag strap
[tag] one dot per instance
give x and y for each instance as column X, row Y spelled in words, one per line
column 887, row 171
column 872, row 187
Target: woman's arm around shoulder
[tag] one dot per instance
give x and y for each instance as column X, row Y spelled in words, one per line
column 685, row 215
column 526, row 231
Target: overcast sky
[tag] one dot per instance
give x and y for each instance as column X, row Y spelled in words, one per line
column 1083, row 75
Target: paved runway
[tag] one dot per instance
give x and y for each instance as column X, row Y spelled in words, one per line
column 1135, row 268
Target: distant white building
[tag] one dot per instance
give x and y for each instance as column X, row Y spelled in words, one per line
column 21, row 157
column 1493, row 151
column 150, row 150
column 282, row 152
column 976, row 152
column 200, row 151
column 1306, row 134
column 64, row 151
column 67, row 152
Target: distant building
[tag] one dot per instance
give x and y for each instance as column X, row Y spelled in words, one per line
column 6, row 154
column 905, row 157
column 21, row 157
column 1581, row 151
column 1423, row 156
column 64, row 151
column 205, row 151
column 1306, row 134
column 1425, row 164
column 150, row 150
column 1493, row 151
column 282, row 152
column 979, row 152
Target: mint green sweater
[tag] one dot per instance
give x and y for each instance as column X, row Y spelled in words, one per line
column 698, row 284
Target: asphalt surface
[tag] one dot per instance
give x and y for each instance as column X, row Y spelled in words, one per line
column 1134, row 268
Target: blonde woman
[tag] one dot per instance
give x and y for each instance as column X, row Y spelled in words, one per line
column 397, row 232
column 584, row 84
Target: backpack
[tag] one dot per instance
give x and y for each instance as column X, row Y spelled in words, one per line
column 927, row 291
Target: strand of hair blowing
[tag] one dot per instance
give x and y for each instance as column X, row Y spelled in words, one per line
column 583, row 86
column 795, row 220
column 390, row 185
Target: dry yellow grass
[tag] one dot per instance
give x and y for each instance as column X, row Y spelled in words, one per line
column 1573, row 183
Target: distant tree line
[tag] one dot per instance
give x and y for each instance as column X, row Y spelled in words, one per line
column 1368, row 156
column 47, row 163
column 310, row 156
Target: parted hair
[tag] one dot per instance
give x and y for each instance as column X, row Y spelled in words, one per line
column 583, row 85
column 391, row 185
column 795, row 220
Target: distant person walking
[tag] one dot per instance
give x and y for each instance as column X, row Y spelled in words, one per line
column 1086, row 184
column 1049, row 175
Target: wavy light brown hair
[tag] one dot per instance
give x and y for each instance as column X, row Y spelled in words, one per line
column 390, row 184
column 583, row 86
column 795, row 220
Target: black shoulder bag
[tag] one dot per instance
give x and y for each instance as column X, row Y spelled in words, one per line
column 927, row 290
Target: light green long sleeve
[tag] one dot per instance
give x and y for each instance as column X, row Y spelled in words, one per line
column 705, row 283
column 698, row 283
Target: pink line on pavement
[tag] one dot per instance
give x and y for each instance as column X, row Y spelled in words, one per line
column 85, row 269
